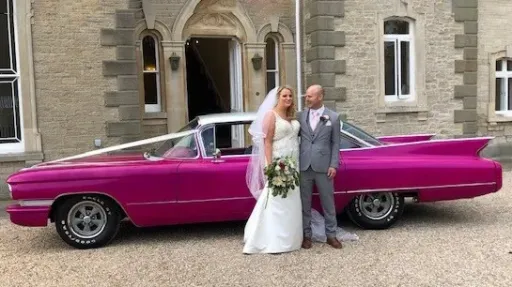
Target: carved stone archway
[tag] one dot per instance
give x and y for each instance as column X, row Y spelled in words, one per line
column 280, row 28
column 208, row 14
column 207, row 18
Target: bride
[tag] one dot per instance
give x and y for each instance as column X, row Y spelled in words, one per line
column 275, row 225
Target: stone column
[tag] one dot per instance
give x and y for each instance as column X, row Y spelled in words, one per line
column 467, row 12
column 290, row 65
column 256, row 79
column 325, row 38
column 175, row 86
column 124, row 68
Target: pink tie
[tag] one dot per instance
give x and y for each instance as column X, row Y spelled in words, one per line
column 314, row 120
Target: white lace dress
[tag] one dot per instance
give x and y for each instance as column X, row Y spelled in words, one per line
column 277, row 227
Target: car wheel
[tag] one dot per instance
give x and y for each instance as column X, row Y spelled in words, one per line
column 87, row 221
column 376, row 210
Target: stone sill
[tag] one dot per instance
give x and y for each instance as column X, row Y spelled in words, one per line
column 151, row 116
column 22, row 157
column 421, row 112
column 499, row 118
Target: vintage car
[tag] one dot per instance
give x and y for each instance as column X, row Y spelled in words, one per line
column 184, row 179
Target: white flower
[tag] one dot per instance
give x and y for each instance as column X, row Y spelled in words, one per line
column 277, row 181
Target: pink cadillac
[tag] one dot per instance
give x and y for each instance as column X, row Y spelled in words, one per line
column 198, row 175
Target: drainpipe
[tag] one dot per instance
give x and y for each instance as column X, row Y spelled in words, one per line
column 298, row 48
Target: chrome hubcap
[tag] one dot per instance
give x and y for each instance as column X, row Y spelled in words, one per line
column 87, row 219
column 376, row 206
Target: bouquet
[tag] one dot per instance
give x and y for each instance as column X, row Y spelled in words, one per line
column 282, row 176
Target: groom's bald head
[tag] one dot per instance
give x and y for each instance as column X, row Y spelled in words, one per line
column 314, row 96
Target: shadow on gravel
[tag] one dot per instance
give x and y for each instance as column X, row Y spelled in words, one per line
column 436, row 215
column 415, row 215
column 129, row 233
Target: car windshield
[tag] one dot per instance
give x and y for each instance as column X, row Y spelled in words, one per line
column 181, row 147
column 190, row 126
column 359, row 133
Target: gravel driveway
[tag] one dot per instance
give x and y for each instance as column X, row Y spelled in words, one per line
column 459, row 243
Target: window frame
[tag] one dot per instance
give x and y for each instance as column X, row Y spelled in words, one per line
column 276, row 71
column 397, row 39
column 158, row 107
column 214, row 126
column 15, row 78
column 493, row 116
column 505, row 75
column 346, row 137
column 193, row 140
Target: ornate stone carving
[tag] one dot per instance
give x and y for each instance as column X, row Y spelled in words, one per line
column 215, row 5
column 212, row 21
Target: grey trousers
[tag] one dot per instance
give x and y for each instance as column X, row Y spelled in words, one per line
column 325, row 188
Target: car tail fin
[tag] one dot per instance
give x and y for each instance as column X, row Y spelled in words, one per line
column 449, row 147
column 463, row 147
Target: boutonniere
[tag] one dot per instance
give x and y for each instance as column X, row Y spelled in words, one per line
column 325, row 119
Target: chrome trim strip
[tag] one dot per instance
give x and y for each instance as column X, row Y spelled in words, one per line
column 418, row 187
column 37, row 202
column 316, row 194
column 150, row 203
column 406, row 136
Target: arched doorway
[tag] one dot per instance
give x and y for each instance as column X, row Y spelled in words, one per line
column 214, row 33
column 213, row 75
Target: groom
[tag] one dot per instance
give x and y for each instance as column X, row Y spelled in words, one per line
column 319, row 159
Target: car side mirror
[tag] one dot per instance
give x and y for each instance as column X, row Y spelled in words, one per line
column 216, row 154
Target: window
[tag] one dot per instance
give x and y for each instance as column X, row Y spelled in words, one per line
column 227, row 138
column 151, row 71
column 348, row 143
column 272, row 63
column 503, row 85
column 398, row 60
column 10, row 119
column 360, row 134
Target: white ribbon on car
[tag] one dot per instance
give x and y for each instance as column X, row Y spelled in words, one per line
column 123, row 146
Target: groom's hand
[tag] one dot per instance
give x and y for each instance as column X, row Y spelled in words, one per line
column 331, row 173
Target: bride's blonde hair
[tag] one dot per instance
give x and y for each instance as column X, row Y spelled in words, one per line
column 290, row 112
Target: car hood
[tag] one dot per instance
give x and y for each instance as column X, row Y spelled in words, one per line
column 88, row 167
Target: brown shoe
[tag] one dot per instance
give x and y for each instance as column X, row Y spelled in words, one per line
column 334, row 242
column 306, row 243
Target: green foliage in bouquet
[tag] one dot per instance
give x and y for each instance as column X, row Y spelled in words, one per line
column 282, row 176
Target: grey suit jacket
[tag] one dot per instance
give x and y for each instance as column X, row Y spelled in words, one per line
column 319, row 148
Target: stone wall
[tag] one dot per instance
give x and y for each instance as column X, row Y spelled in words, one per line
column 493, row 41
column 86, row 75
column 69, row 80
column 353, row 29
column 69, row 83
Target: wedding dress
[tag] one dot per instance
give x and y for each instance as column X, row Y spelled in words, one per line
column 275, row 225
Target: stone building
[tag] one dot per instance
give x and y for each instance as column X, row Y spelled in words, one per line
column 76, row 73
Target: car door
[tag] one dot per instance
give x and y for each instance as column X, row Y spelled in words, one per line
column 343, row 179
column 214, row 189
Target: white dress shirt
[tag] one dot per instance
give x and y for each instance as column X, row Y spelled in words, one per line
column 314, row 116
